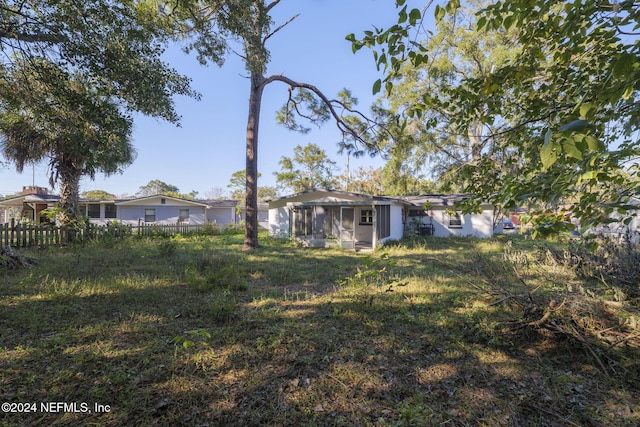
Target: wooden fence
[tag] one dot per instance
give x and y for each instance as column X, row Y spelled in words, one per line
column 22, row 235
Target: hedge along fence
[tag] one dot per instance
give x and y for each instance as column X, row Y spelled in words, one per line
column 22, row 235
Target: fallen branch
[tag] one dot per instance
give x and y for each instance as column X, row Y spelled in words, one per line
column 11, row 260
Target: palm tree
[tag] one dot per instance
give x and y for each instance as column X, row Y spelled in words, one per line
column 49, row 115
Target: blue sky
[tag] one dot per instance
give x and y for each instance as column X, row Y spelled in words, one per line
column 209, row 146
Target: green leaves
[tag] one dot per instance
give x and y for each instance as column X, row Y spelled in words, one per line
column 571, row 140
column 557, row 99
column 377, row 85
column 549, row 151
column 576, row 126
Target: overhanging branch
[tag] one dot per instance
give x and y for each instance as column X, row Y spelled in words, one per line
column 358, row 135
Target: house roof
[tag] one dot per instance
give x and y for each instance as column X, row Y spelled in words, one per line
column 434, row 199
column 337, row 194
column 30, row 198
column 142, row 200
column 218, row 203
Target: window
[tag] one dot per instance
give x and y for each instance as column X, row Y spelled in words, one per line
column 417, row 212
column 183, row 215
column 383, row 221
column 366, row 217
column 149, row 215
column 454, row 220
column 110, row 211
column 303, row 220
column 93, row 210
column 163, row 201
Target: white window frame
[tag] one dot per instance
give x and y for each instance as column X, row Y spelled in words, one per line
column 366, row 217
column 147, row 215
column 454, row 220
column 181, row 217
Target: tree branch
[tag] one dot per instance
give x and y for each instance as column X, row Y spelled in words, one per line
column 331, row 104
column 264, row 40
column 32, row 38
column 271, row 5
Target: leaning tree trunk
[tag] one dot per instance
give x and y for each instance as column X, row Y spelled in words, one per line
column 251, row 201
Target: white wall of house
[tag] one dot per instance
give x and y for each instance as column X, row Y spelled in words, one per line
column 397, row 227
column 619, row 231
column 279, row 222
column 222, row 215
column 132, row 214
column 476, row 225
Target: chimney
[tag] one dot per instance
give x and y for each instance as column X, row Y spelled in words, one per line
column 32, row 189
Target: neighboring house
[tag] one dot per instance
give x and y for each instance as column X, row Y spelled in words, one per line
column 435, row 215
column 263, row 214
column 28, row 206
column 361, row 221
column 325, row 217
column 160, row 209
column 618, row 230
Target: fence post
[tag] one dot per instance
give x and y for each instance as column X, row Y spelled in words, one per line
column 12, row 232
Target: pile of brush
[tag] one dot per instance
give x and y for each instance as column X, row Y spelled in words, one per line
column 9, row 259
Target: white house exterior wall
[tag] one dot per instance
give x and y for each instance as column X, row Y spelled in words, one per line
column 397, row 227
column 221, row 216
column 476, row 225
column 164, row 214
column 279, row 222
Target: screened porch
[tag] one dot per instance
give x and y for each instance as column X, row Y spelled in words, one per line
column 349, row 227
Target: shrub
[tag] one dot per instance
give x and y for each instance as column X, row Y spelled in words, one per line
column 168, row 248
column 217, row 270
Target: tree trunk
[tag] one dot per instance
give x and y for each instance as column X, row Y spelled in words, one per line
column 69, row 193
column 475, row 140
column 251, row 201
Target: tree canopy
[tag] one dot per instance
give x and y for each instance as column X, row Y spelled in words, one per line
column 310, row 168
column 155, row 186
column 71, row 74
column 566, row 105
column 47, row 114
column 118, row 44
column 97, row 195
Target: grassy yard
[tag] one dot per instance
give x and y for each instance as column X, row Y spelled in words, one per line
column 194, row 332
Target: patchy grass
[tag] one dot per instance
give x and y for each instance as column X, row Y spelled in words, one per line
column 192, row 331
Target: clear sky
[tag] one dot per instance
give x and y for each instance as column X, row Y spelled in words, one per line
column 210, row 143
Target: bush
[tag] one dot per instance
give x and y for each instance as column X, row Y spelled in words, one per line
column 168, row 248
column 217, row 270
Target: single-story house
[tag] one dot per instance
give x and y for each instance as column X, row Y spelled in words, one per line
column 28, row 206
column 263, row 214
column 161, row 209
column 435, row 215
column 325, row 217
column 158, row 209
column 361, row 221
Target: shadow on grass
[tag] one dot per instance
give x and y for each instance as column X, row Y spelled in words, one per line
column 293, row 349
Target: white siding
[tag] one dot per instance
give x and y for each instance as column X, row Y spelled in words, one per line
column 279, row 222
column 222, row 216
column 476, row 225
column 164, row 214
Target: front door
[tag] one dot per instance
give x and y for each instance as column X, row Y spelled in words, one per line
column 347, row 235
